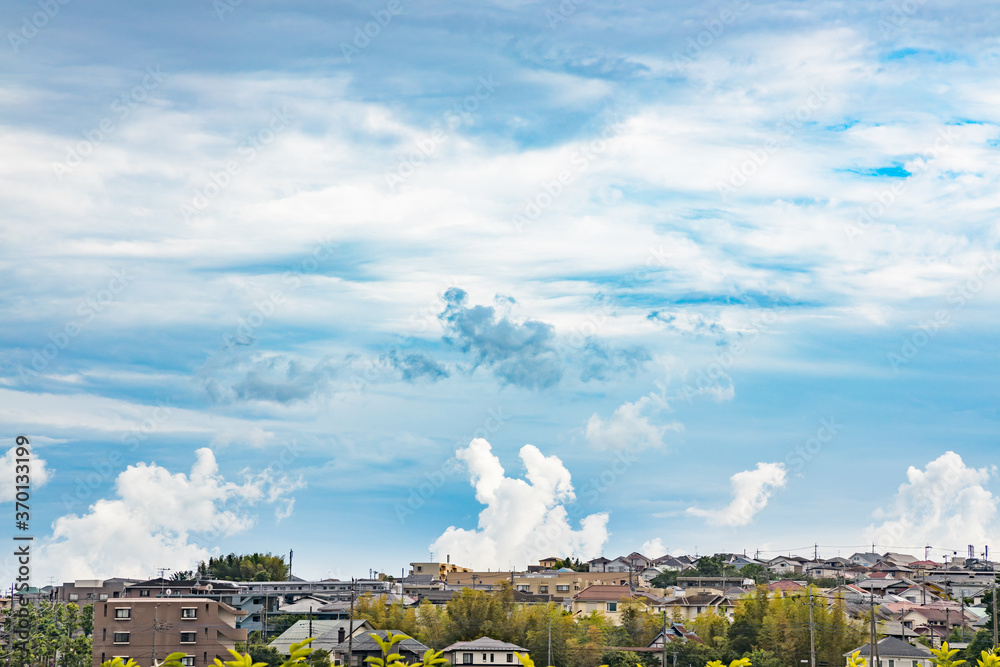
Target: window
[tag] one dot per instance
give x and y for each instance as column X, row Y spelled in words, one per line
column 73, row 597
column 612, row 606
column 892, row 663
column 144, row 593
column 189, row 637
column 492, row 655
column 484, row 657
column 523, row 588
column 189, row 612
column 104, row 634
column 562, row 588
column 543, row 589
column 103, row 597
column 123, row 613
column 187, row 660
column 120, row 638
column 510, row 657
column 466, row 658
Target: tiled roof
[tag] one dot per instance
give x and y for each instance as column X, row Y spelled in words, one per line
column 604, row 592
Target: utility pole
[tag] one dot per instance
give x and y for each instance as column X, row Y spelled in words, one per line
column 350, row 634
column 993, row 601
column 156, row 623
column 663, row 658
column 550, row 638
column 812, row 631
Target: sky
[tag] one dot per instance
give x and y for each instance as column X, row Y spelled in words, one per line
column 383, row 282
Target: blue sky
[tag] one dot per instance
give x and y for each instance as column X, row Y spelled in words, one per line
column 268, row 269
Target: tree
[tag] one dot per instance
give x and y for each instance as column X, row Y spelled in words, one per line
column 55, row 633
column 665, row 579
column 246, row 567
column 755, row 572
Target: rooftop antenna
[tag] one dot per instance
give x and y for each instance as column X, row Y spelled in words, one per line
column 162, row 570
column 290, row 552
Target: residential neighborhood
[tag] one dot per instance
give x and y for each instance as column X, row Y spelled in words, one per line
column 654, row 608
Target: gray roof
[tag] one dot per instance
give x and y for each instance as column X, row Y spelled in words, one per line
column 367, row 643
column 485, row 644
column 892, row 647
column 325, row 632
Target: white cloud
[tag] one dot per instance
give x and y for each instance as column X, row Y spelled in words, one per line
column 628, row 428
column 159, row 519
column 38, row 474
column 525, row 519
column 946, row 504
column 653, row 548
column 752, row 489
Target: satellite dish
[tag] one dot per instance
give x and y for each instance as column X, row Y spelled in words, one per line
column 169, row 591
column 209, row 587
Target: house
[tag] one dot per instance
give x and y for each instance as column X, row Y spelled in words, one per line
column 822, row 570
column 868, row 559
column 328, row 634
column 689, row 607
column 670, row 563
column 87, row 591
column 919, row 594
column 894, row 652
column 437, row 570
column 483, row 651
column 355, row 653
column 936, row 621
column 598, row 564
column 602, row 598
column 147, row 629
column 637, row 562
column 648, row 574
column 617, row 565
column 549, row 563
column 786, row 586
column 786, row 565
column 898, row 558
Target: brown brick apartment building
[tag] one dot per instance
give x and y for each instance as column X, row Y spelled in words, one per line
column 132, row 627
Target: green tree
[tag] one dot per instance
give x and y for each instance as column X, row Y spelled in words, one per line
column 246, row 567
column 665, row 579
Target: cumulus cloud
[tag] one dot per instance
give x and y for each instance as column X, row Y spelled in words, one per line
column 524, row 519
column 39, row 474
column 654, row 548
column 947, row 503
column 628, row 428
column 752, row 489
column 159, row 519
